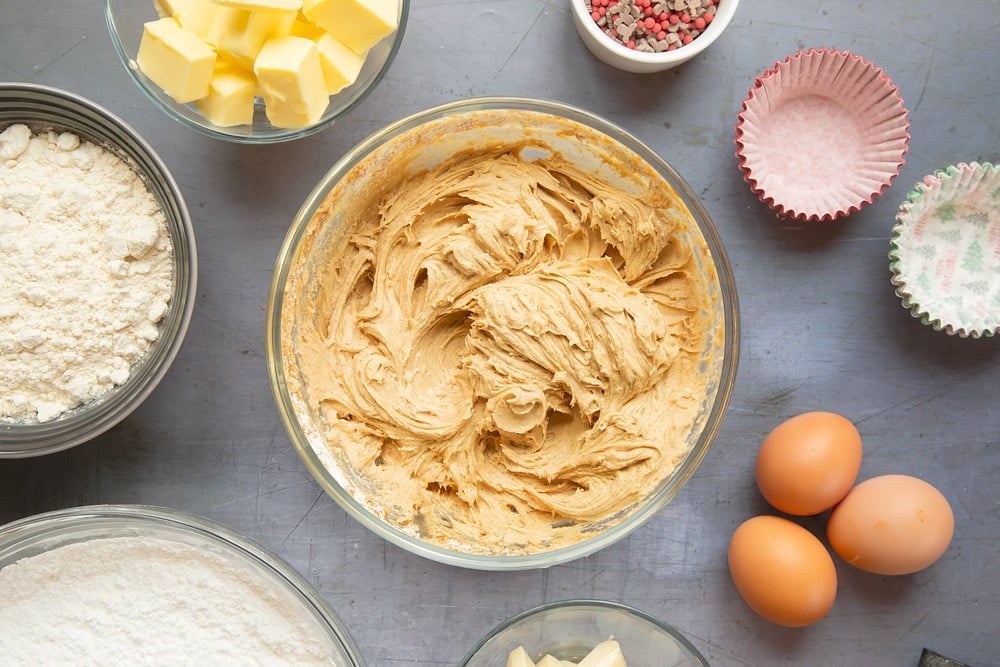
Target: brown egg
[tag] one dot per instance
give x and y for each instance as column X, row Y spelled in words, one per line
column 893, row 524
column 782, row 571
column 808, row 463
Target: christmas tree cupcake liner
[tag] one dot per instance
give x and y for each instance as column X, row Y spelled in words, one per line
column 945, row 250
column 821, row 134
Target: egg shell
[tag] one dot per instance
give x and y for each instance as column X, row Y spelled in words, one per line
column 892, row 524
column 808, row 463
column 782, row 571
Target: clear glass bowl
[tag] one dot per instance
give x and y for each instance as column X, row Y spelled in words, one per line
column 41, row 533
column 43, row 108
column 568, row 630
column 125, row 19
column 427, row 138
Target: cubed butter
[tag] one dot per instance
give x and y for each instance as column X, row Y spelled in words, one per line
column 241, row 33
column 302, row 27
column 230, row 96
column 341, row 65
column 358, row 23
column 290, row 76
column 177, row 60
column 272, row 6
column 194, row 15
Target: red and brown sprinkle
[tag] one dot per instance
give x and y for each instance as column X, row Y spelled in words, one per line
column 652, row 26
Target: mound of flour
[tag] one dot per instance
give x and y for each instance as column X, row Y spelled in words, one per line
column 147, row 601
column 87, row 272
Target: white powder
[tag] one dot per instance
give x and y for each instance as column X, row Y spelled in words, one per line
column 148, row 601
column 86, row 272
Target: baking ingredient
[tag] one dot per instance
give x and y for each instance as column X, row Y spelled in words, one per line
column 606, row 654
column 341, row 65
column 549, row 660
column 808, row 463
column 519, row 658
column 147, row 600
column 358, row 23
column 652, row 26
column 204, row 51
column 264, row 6
column 87, row 272
column 239, row 35
column 230, row 96
column 290, row 75
column 198, row 16
column 176, row 60
column 504, row 353
column 892, row 524
column 782, row 571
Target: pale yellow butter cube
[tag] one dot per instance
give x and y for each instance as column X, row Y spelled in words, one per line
column 303, row 27
column 290, row 76
column 360, row 24
column 341, row 65
column 177, row 60
column 241, row 33
column 194, row 15
column 271, row 6
column 230, row 96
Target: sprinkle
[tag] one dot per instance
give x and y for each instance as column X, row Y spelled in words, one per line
column 652, row 25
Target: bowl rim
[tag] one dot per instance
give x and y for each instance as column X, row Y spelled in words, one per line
column 30, row 529
column 587, row 603
column 677, row 56
column 55, row 432
column 644, row 512
column 274, row 135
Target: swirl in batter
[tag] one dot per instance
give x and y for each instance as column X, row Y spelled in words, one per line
column 505, row 351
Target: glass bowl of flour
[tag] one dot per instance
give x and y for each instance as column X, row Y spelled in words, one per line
column 128, row 584
column 99, row 270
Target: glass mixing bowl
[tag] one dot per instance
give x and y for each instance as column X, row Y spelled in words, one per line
column 125, row 19
column 568, row 630
column 413, row 145
column 46, row 108
column 43, row 533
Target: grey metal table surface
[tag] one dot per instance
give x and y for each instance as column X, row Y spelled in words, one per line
column 821, row 329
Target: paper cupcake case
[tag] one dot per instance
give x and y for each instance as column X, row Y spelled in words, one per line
column 945, row 250
column 821, row 134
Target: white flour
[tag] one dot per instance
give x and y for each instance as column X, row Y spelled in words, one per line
column 86, row 272
column 146, row 601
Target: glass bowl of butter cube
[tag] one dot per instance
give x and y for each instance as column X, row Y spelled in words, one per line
column 584, row 633
column 256, row 71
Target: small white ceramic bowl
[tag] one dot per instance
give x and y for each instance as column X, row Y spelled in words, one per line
column 611, row 52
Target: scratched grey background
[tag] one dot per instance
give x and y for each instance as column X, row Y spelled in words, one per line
column 821, row 329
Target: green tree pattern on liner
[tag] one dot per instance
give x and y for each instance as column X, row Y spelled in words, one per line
column 946, row 212
column 950, row 235
column 973, row 260
column 923, row 282
column 980, row 287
